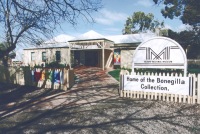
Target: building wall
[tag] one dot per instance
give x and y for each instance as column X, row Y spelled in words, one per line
column 108, row 57
column 50, row 55
column 127, row 58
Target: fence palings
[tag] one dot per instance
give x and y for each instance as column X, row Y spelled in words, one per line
column 190, row 99
column 62, row 78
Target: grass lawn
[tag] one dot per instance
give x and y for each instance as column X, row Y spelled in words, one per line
column 194, row 70
column 115, row 74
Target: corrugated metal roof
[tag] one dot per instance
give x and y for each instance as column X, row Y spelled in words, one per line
column 63, row 40
column 90, row 35
column 130, row 38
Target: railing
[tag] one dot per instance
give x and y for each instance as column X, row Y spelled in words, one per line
column 191, row 99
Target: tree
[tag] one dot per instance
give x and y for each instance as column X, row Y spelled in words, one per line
column 188, row 41
column 187, row 10
column 5, row 58
column 30, row 20
column 189, row 13
column 141, row 22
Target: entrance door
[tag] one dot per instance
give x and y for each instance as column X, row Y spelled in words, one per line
column 82, row 57
column 91, row 58
column 86, row 57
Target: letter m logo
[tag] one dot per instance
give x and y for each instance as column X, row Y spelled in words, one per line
column 163, row 55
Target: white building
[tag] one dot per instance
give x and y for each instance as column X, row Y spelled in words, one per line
column 89, row 49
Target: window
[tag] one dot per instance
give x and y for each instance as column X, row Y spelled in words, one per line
column 58, row 56
column 32, row 56
column 44, row 57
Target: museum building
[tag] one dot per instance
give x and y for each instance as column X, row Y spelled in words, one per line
column 88, row 49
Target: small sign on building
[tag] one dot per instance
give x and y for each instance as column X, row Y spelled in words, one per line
column 117, row 57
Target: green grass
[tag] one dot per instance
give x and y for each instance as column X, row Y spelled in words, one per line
column 194, row 70
column 115, row 74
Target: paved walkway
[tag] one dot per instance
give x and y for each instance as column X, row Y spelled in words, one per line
column 92, row 85
column 93, row 77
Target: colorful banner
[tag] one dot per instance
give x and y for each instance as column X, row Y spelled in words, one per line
column 117, row 57
column 49, row 75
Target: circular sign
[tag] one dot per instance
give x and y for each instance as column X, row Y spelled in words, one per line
column 160, row 52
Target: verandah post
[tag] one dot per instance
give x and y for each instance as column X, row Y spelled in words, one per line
column 194, row 89
column 65, row 78
column 198, row 89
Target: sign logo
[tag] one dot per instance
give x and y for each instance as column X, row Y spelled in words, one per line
column 160, row 52
column 163, row 55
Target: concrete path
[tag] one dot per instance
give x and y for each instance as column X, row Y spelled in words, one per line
column 92, row 85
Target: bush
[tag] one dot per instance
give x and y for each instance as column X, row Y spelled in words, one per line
column 193, row 66
column 159, row 70
column 55, row 65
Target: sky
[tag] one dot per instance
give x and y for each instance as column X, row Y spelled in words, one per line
column 110, row 19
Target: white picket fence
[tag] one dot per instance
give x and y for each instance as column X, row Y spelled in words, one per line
column 191, row 99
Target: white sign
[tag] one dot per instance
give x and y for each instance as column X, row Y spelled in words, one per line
column 160, row 52
column 159, row 84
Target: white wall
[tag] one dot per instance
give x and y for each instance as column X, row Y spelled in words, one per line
column 127, row 58
column 50, row 55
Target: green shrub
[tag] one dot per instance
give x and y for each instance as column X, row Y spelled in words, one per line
column 149, row 70
column 55, row 65
column 193, row 66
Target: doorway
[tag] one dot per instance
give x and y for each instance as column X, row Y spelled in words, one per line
column 86, row 58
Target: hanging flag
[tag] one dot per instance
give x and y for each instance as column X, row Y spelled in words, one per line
column 42, row 75
column 37, row 75
column 57, row 76
column 51, row 76
column 32, row 75
column 61, row 76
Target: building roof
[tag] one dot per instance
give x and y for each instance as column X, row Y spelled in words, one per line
column 63, row 40
column 58, row 41
column 117, row 39
column 90, row 35
column 130, row 38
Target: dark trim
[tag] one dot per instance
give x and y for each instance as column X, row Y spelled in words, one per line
column 158, row 64
column 43, row 48
column 135, row 43
column 124, row 48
